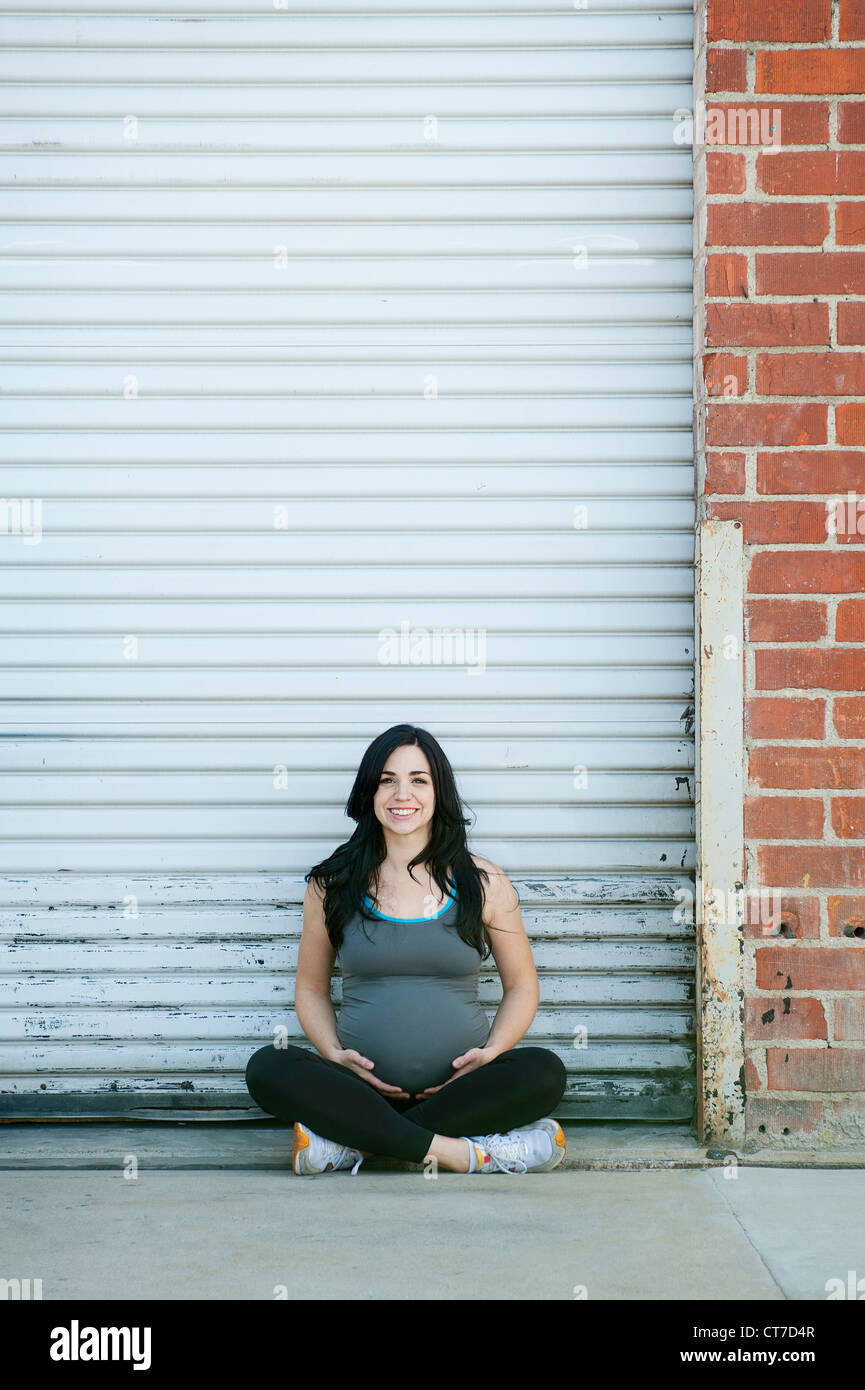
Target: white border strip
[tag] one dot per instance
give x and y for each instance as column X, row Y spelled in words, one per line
column 719, row 804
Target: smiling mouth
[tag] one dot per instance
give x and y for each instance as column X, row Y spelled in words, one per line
column 405, row 814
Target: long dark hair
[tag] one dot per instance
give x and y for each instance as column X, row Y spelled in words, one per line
column 346, row 874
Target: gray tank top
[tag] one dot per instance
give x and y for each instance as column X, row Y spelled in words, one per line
column 410, row 996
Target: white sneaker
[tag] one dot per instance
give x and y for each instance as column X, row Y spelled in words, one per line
column 537, row 1148
column 310, row 1153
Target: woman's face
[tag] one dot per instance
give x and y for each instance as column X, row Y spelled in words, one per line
column 405, row 800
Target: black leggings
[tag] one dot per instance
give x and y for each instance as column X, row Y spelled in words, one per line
column 514, row 1089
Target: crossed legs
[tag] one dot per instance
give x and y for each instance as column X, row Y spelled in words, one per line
column 514, row 1089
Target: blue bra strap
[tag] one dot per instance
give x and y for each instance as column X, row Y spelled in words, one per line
column 411, row 920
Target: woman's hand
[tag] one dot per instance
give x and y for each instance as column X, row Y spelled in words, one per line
column 468, row 1061
column 362, row 1066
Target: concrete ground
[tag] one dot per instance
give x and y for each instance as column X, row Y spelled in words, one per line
column 213, row 1211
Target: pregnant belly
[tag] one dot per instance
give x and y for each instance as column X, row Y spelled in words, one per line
column 412, row 1036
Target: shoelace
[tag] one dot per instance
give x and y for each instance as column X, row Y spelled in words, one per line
column 336, row 1155
column 345, row 1152
column 508, row 1155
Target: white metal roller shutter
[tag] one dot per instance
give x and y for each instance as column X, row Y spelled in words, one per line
column 419, row 276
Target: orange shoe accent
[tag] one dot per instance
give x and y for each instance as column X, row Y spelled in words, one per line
column 482, row 1158
column 560, row 1139
column 299, row 1142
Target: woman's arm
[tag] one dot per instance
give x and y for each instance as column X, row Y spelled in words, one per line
column 315, row 960
column 512, row 953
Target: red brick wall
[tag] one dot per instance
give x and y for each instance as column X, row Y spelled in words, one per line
column 780, row 429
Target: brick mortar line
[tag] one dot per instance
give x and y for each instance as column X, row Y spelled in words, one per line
column 761, row 199
column 794, row 497
column 820, row 893
column 821, row 794
column 781, row 449
column 823, row 938
column 758, row 792
column 736, row 348
column 727, row 96
column 810, row 547
column 767, row 195
column 831, row 1020
column 749, row 155
column 804, row 692
column 780, row 350
column 762, row 792
column 782, row 1093
column 834, row 122
column 789, row 299
column 827, row 1044
column 787, row 147
column 824, row 795
column 794, row 546
column 832, row 238
column 798, row 645
column 819, row 1044
column 752, row 47
column 784, row 147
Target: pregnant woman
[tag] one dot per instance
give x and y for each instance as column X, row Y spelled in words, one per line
column 412, row 1068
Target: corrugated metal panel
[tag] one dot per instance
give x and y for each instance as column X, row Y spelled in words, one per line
column 289, row 299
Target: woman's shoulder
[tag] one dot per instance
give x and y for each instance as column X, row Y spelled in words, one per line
column 497, row 882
